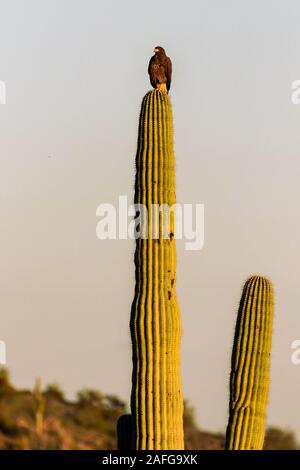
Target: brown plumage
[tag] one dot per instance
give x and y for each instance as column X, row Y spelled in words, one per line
column 160, row 70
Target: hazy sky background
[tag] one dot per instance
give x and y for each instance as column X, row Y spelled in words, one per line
column 76, row 72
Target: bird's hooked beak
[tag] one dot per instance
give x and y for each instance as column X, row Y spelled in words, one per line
column 155, row 49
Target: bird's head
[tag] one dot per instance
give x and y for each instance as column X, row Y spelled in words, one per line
column 159, row 50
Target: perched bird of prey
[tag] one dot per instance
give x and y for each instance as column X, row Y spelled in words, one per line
column 160, row 70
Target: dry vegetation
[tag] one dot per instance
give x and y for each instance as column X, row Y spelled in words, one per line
column 46, row 420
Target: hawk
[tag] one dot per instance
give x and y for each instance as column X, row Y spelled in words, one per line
column 160, row 70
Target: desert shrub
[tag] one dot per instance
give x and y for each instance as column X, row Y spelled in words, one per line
column 90, row 397
column 280, row 439
column 113, row 401
column 55, row 391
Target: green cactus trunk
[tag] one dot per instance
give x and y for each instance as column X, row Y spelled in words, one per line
column 250, row 367
column 156, row 399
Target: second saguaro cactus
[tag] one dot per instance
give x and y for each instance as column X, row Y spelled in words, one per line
column 250, row 367
column 156, row 399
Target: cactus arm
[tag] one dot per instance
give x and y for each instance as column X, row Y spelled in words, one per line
column 250, row 368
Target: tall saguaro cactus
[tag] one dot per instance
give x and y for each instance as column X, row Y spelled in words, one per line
column 156, row 399
column 250, row 367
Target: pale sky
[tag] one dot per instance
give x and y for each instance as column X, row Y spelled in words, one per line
column 76, row 72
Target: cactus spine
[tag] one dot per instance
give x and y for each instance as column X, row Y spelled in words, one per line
column 250, row 366
column 156, row 398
